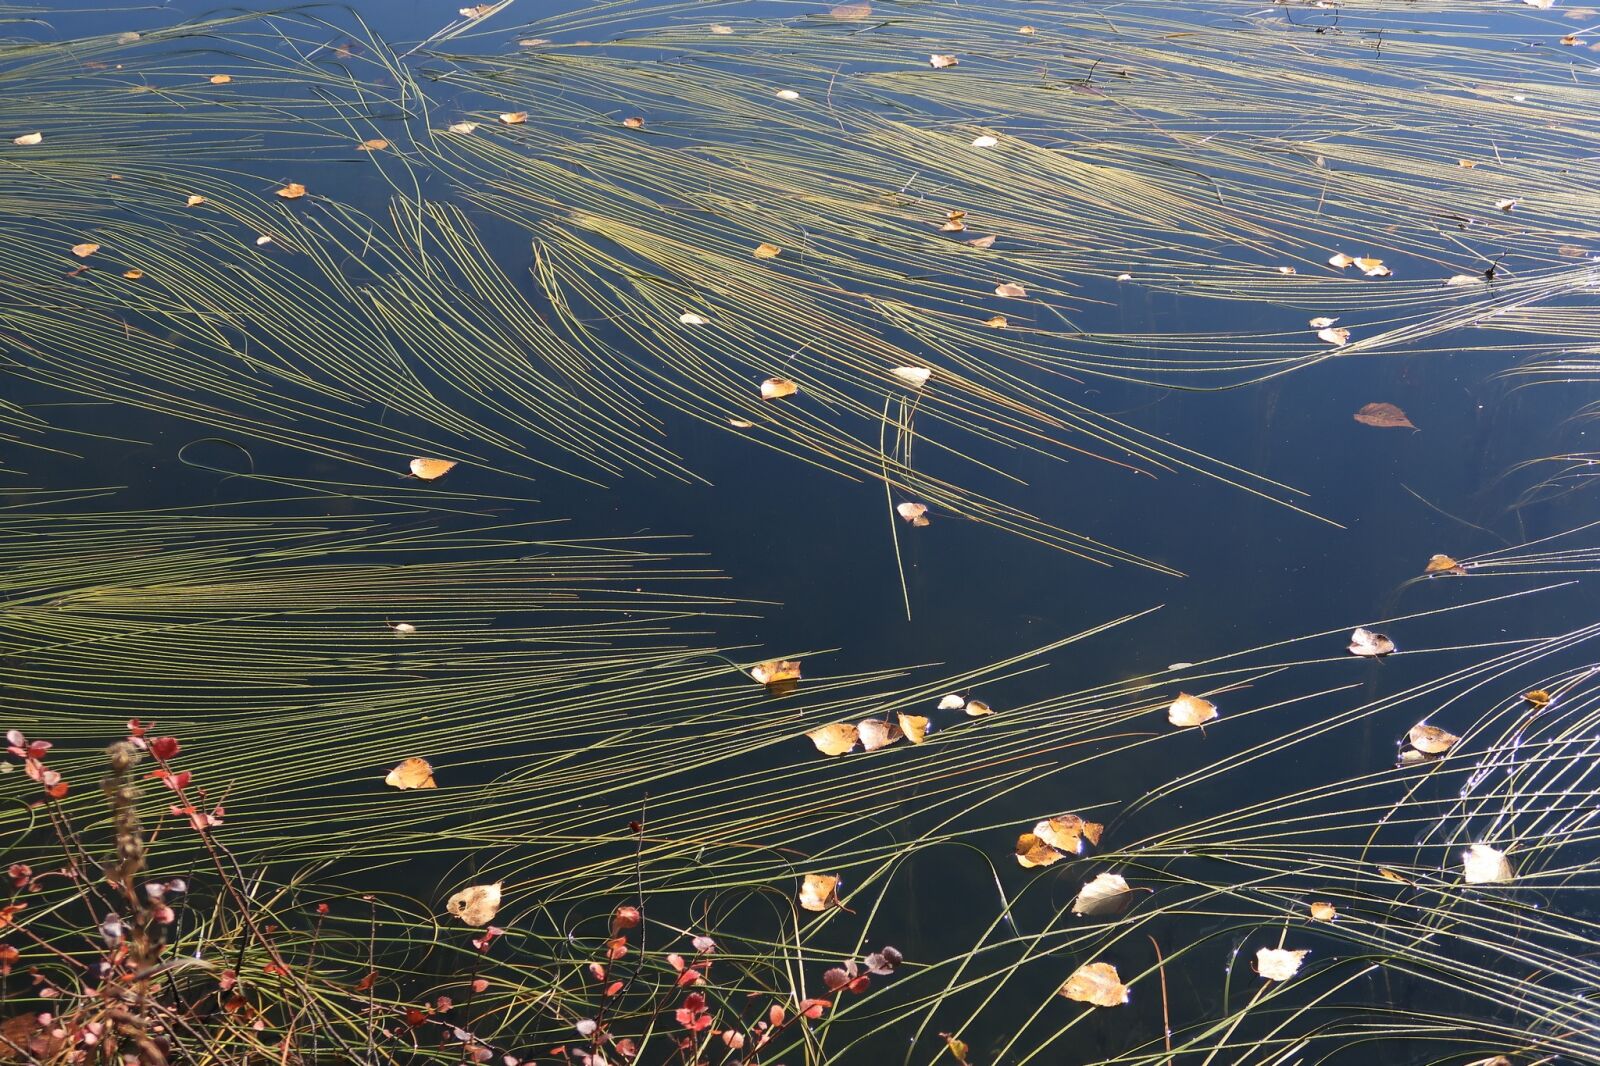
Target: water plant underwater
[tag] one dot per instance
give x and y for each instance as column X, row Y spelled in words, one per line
column 398, row 773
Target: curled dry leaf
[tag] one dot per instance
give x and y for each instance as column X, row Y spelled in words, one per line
column 372, row 144
column 689, row 318
column 1370, row 643
column 1124, row 277
column 939, row 62
column 1384, row 416
column 818, row 892
column 1538, row 698
column 292, row 191
column 1187, row 710
column 1286, row 270
column 1107, row 893
column 954, row 222
column 634, row 122
column 1033, row 852
column 741, row 423
column 1340, row 260
column 1368, row 265
column 431, row 469
column 1323, row 912
column 985, row 141
column 850, row 12
column 884, row 962
column 914, row 376
column 767, row 251
column 876, row 733
column 85, row 250
column 28, row 139
column 476, row 905
column 1096, row 983
column 997, row 322
column 1067, row 832
column 1430, row 739
column 721, row 29
column 133, row 275
column 1279, row 964
column 462, row 127
column 477, row 11
column 1321, row 322
column 1506, row 205
column 953, row 702
column 1334, row 335
column 978, row 708
column 914, row 726
column 982, row 242
column 1011, row 290
column 513, row 118
column 776, row 672
column 915, row 513
column 402, row 629
column 220, row 79
column 787, row 94
column 411, row 773
column 1483, row 865
column 1443, row 564
column 778, row 388
column 836, row 738
column 194, row 200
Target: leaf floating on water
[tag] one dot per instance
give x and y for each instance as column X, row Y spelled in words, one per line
column 952, row 702
column 194, row 200
column 462, row 127
column 776, row 672
column 1443, row 564
column 431, row 469
column 1011, row 290
column 1506, row 205
column 476, row 905
column 28, row 139
column 1542, row 5
column 1108, row 893
column 84, row 251
column 954, row 222
column 1323, row 912
column 1033, row 852
column 721, row 29
column 1334, row 335
column 1340, row 260
column 767, row 251
column 1279, row 964
column 1124, row 277
column 220, row 79
column 372, row 144
column 263, row 240
column 978, row 708
column 1483, row 865
column 634, row 122
column 411, row 773
column 982, row 242
column 836, row 738
column 689, row 318
column 1430, row 739
column 1384, row 416
column 939, row 62
column 1096, row 983
column 914, row 376
column 402, row 629
column 514, row 118
column 1366, row 264
column 818, row 892
column 884, row 962
column 1389, row 875
column 778, row 388
column 1371, row 644
column 997, row 322
column 850, row 12
column 1321, row 322
column 915, row 513
column 1067, row 832
column 787, row 94
column 292, row 191
column 1571, row 251
column 876, row 734
column 133, row 275
column 741, row 423
column 1286, row 270
column 477, row 11
column 1458, row 280
column 1187, row 711
column 914, row 726
column 1538, row 698
column 985, row 141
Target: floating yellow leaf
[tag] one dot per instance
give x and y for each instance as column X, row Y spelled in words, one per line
column 1538, row 698
column 1340, row 260
column 1390, row 875
column 741, row 423
column 1467, row 163
column 1323, row 912
column 194, row 200
column 953, row 702
column 914, row 726
column 939, row 62
column 513, row 118
column 1443, row 564
column 634, row 122
column 412, row 773
column 1335, row 335
column 978, row 708
column 1430, row 739
column 292, row 191
column 1096, row 983
column 1384, row 416
column 431, row 469
column 1363, row 262
column 28, row 139
column 778, row 388
column 876, row 734
column 1033, row 852
column 1370, row 643
column 1279, row 964
column 915, row 376
column 818, row 892
column 1187, row 710
column 997, row 322
column 133, row 275
column 1067, row 832
column 84, row 251
column 1010, row 289
column 770, row 673
column 262, row 240
column 476, row 905
column 1108, row 893
column 836, row 738
column 767, row 251
column 915, row 513
column 1483, row 865
column 220, row 79
column 372, row 144
column 954, row 222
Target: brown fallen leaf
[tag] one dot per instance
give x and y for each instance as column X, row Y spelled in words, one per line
column 634, row 122
column 850, row 12
column 876, row 733
column 431, row 469
column 978, row 708
column 982, row 242
column 1443, row 564
column 28, row 139
column 818, row 892
column 194, row 200
column 133, row 275
column 1033, row 852
column 1384, row 416
column 915, row 513
column 835, row 738
column 778, row 388
column 1067, row 832
column 476, row 905
column 220, row 79
column 776, row 672
column 372, row 144
column 1011, row 290
column 954, row 222
column 939, row 62
column 1538, row 698
column 513, row 118
column 1335, row 335
column 767, row 251
column 1430, row 739
column 85, row 250
column 997, row 322
column 411, row 773
column 1370, row 643
column 292, row 191
column 1187, row 711
column 1323, row 912
column 914, row 726
column 1108, row 893
column 1096, row 983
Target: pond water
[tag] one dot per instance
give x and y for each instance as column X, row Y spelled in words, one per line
column 331, row 240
